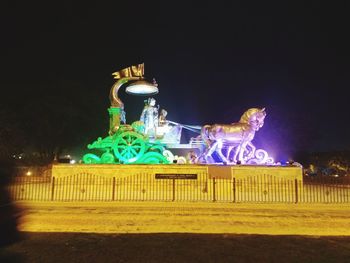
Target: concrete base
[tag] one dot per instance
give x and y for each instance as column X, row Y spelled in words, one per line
column 208, row 171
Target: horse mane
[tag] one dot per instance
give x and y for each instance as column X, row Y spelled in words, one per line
column 246, row 116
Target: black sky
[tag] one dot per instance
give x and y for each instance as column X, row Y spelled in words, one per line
column 212, row 60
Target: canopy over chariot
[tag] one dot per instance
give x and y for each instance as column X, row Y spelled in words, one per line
column 153, row 139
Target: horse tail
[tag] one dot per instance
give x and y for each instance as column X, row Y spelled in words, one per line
column 205, row 134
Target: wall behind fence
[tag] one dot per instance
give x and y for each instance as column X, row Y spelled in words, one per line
column 221, row 171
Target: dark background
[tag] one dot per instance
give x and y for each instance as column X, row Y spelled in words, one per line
column 211, row 59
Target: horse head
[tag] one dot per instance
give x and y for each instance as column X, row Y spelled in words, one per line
column 254, row 117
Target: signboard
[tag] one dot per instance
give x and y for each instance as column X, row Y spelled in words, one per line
column 219, row 172
column 176, row 176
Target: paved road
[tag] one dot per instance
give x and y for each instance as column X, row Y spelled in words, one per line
column 168, row 217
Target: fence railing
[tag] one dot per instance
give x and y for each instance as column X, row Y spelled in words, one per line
column 145, row 187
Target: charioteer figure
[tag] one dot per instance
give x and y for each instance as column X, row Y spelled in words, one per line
column 162, row 117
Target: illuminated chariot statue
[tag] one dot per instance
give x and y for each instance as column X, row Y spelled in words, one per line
column 152, row 139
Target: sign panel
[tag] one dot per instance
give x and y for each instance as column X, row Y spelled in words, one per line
column 219, row 171
column 176, row 176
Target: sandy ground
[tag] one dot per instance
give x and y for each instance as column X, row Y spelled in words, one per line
column 169, row 217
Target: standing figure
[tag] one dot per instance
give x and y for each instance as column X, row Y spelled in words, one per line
column 149, row 117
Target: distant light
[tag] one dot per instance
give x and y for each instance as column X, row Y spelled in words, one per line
column 142, row 87
column 72, row 162
column 29, row 173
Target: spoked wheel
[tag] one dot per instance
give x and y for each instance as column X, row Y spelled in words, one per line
column 129, row 146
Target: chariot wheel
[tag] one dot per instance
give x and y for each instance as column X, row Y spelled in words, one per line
column 129, row 146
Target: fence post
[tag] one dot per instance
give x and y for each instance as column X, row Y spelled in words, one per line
column 214, row 194
column 173, row 190
column 52, row 188
column 113, row 189
column 296, row 190
column 234, row 189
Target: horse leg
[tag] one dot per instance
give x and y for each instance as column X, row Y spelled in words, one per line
column 210, row 151
column 229, row 152
column 219, row 151
column 251, row 154
column 235, row 155
column 241, row 152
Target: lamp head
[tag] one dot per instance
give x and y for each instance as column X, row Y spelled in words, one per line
column 142, row 87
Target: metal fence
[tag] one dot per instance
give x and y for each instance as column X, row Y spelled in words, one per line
column 146, row 187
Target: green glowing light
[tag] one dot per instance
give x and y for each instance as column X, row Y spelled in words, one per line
column 126, row 147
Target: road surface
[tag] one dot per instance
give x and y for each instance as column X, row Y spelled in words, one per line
column 176, row 217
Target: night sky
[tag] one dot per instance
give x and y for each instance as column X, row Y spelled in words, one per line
column 211, row 59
